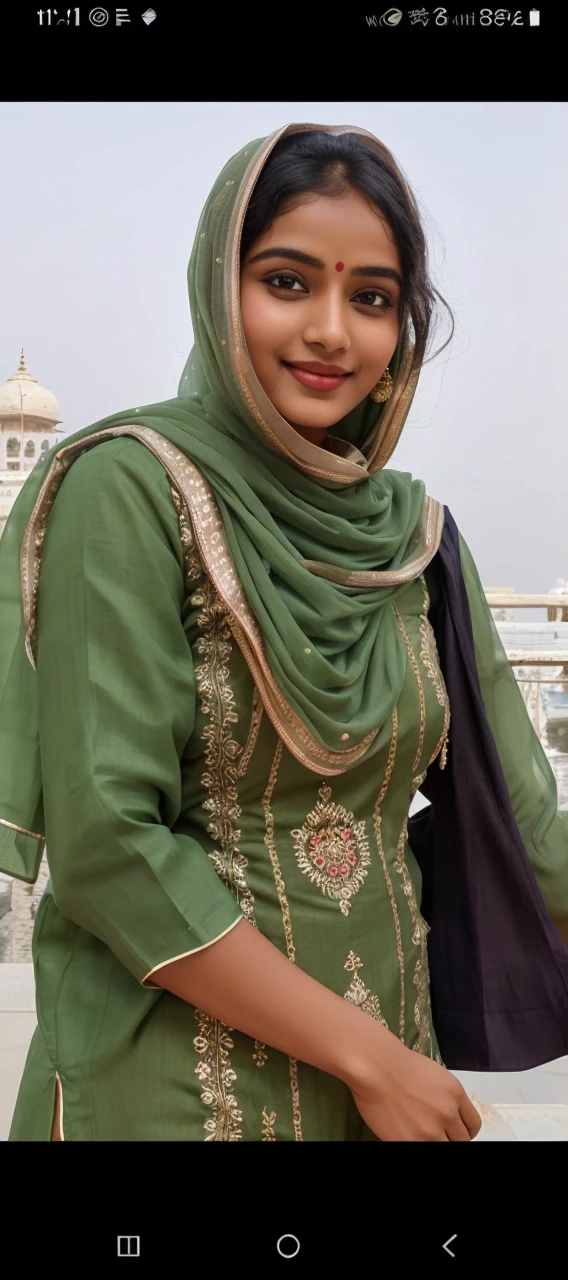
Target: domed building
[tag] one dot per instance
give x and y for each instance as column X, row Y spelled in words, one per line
column 29, row 417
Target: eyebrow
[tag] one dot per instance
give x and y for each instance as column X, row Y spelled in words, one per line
column 295, row 255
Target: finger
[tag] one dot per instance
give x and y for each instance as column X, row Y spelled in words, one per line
column 457, row 1131
column 470, row 1116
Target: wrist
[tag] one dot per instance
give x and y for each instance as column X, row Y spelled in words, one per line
column 365, row 1054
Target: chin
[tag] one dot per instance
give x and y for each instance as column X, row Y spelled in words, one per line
column 310, row 417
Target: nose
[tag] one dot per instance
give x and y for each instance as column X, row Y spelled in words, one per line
column 326, row 325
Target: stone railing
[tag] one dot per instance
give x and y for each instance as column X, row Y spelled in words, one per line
column 556, row 605
column 538, row 674
column 539, row 657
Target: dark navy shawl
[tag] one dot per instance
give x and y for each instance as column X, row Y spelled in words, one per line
column 498, row 968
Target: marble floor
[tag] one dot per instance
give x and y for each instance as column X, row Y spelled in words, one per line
column 525, row 1106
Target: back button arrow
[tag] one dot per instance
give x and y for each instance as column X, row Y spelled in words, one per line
column 446, row 1246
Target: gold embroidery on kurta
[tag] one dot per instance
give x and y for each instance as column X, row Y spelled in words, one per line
column 430, row 658
column 332, row 849
column 193, row 573
column 255, row 720
column 420, row 930
column 286, row 921
column 422, row 1011
column 268, row 1122
column 360, row 995
column 218, row 704
column 416, row 671
column 192, row 563
column 214, row 1070
column 377, row 819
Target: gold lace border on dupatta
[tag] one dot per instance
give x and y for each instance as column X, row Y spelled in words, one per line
column 199, row 502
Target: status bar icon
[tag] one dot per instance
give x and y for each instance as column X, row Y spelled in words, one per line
column 534, row 18
column 149, row 16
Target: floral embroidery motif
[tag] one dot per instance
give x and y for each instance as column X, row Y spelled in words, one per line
column 268, row 1122
column 213, row 1044
column 260, row 1055
column 332, row 849
column 358, row 994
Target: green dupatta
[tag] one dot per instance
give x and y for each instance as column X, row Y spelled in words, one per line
column 308, row 548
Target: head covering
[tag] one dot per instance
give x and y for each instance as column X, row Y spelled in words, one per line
column 309, row 547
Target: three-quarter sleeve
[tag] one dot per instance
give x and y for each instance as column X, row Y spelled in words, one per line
column 530, row 780
column 116, row 709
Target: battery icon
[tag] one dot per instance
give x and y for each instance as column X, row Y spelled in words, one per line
column 534, row 18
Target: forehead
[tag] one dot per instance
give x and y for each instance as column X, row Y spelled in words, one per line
column 349, row 226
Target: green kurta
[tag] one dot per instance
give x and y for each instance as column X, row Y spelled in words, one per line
column 171, row 808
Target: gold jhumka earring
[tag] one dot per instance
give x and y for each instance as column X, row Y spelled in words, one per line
column 384, row 388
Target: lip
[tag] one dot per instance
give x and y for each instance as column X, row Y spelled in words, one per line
column 315, row 366
column 318, row 377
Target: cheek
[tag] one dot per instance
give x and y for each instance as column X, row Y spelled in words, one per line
column 266, row 323
column 379, row 340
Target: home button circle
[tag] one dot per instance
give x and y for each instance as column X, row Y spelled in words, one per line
column 288, row 1246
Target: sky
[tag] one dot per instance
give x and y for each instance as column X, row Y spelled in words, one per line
column 99, row 207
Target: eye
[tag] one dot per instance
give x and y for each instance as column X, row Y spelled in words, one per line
column 284, row 282
column 374, row 299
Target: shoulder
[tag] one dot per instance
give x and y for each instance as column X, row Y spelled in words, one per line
column 117, row 484
column 101, row 462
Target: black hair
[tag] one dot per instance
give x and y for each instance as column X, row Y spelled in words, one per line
column 320, row 163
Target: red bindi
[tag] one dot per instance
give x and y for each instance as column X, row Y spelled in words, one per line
column 339, row 266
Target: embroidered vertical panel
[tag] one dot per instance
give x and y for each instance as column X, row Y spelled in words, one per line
column 422, row 700
column 422, row 1011
column 221, row 752
column 255, row 721
column 430, row 658
column 192, row 565
column 377, row 820
column 221, row 755
column 213, row 1044
column 286, row 921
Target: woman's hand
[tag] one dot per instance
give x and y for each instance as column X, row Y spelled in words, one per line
column 409, row 1098
column 246, row 982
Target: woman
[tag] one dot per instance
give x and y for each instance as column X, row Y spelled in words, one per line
column 221, row 653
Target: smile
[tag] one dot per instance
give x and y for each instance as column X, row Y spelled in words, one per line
column 329, row 380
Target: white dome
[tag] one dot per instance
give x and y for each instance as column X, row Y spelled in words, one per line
column 23, row 394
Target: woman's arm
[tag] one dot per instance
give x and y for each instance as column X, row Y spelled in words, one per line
column 246, row 982
column 117, row 702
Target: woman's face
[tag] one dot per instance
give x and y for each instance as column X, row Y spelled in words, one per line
column 320, row 301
